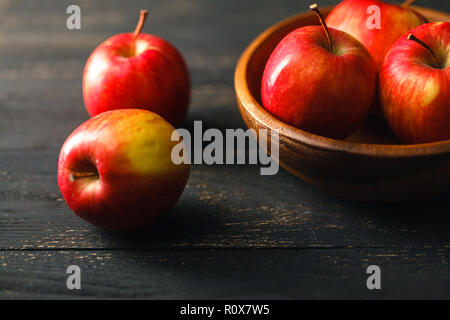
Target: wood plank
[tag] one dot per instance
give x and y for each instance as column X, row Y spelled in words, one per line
column 41, row 63
column 40, row 114
column 223, row 206
column 286, row 239
column 226, row 274
column 41, row 107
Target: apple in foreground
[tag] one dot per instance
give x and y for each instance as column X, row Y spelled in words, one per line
column 320, row 80
column 359, row 19
column 137, row 71
column 115, row 170
column 415, row 84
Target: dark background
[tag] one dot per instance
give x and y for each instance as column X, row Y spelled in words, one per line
column 234, row 233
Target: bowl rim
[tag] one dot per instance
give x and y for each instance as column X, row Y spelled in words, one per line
column 261, row 115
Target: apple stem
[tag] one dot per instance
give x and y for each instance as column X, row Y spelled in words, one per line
column 407, row 3
column 140, row 25
column 423, row 44
column 315, row 9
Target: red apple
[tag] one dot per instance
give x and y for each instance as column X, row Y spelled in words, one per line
column 137, row 71
column 354, row 16
column 115, row 170
column 415, row 84
column 320, row 80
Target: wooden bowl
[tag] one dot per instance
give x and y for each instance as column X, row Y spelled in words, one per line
column 371, row 165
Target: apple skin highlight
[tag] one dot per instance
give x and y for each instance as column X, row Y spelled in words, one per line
column 414, row 91
column 115, row 170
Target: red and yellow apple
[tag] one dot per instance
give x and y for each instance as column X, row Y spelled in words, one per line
column 320, row 80
column 415, row 84
column 355, row 18
column 137, row 71
column 115, row 170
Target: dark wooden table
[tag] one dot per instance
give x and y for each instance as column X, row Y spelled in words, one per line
column 234, row 233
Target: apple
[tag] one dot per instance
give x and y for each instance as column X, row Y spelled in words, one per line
column 355, row 17
column 321, row 80
column 115, row 170
column 415, row 84
column 136, row 70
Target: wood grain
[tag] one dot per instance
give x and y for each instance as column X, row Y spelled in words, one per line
column 226, row 274
column 219, row 209
column 234, row 233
